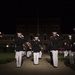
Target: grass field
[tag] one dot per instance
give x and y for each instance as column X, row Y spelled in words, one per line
column 62, row 58
column 6, row 57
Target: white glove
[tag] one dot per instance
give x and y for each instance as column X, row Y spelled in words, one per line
column 57, row 34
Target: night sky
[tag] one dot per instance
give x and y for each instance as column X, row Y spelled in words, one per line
column 33, row 9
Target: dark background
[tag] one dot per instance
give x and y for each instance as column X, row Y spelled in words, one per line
column 33, row 9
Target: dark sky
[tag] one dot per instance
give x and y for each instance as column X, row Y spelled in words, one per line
column 33, row 9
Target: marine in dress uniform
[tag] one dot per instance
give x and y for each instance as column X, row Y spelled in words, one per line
column 72, row 50
column 54, row 46
column 24, row 49
column 72, row 61
column 19, row 49
column 29, row 50
column 65, row 46
column 36, row 50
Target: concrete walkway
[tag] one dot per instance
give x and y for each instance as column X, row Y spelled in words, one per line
column 44, row 68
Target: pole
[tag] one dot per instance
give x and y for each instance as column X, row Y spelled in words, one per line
column 37, row 17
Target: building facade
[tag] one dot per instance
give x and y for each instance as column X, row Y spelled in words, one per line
column 43, row 28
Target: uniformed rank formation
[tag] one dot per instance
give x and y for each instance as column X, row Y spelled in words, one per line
column 34, row 48
column 23, row 47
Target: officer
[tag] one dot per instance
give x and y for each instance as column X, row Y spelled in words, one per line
column 29, row 50
column 36, row 47
column 19, row 49
column 65, row 46
column 71, row 42
column 54, row 46
column 72, row 61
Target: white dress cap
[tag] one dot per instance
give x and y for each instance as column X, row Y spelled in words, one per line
column 54, row 32
column 36, row 38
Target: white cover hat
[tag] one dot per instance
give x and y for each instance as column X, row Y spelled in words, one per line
column 36, row 37
column 54, row 32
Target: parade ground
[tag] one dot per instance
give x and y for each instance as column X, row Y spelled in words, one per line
column 44, row 68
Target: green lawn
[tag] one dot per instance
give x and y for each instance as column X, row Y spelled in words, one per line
column 62, row 58
column 6, row 57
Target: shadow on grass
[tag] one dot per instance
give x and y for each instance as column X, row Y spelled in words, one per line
column 6, row 61
column 66, row 62
column 72, row 66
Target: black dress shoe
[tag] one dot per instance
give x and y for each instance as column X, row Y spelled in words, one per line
column 55, row 67
column 18, row 67
column 36, row 64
